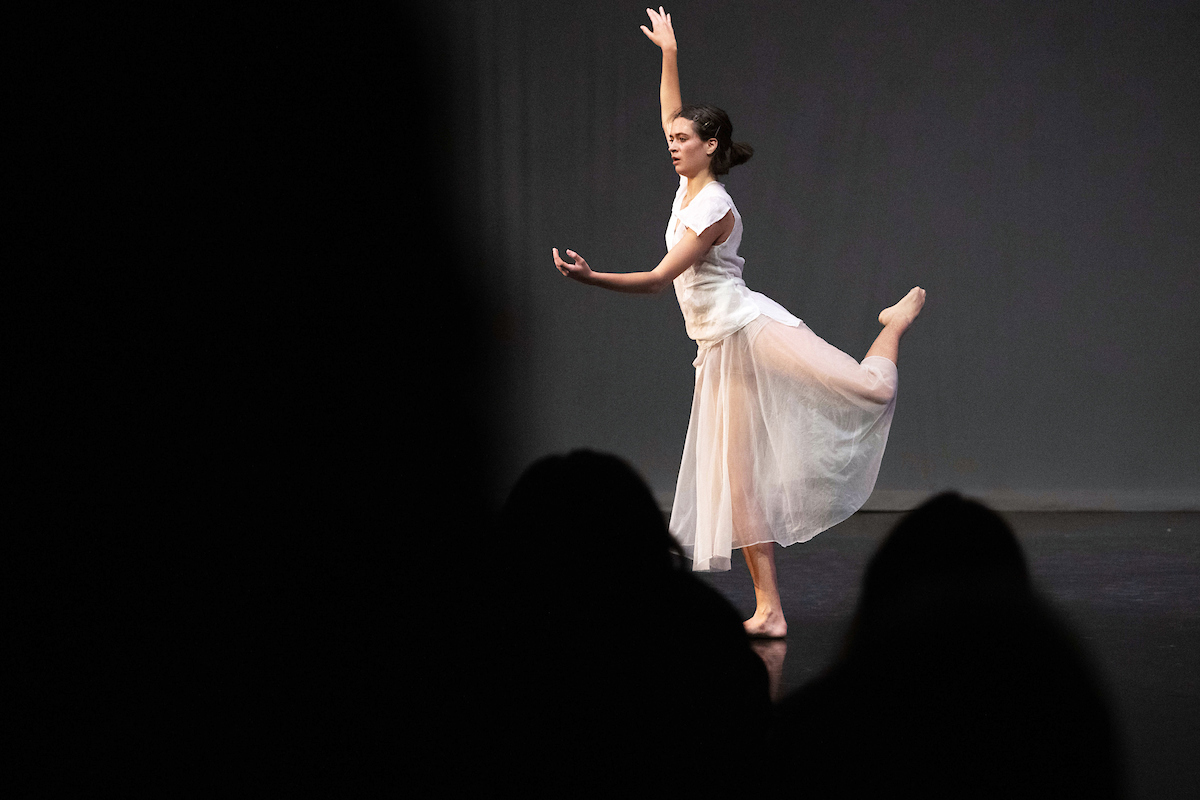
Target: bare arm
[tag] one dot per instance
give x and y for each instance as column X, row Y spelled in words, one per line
column 663, row 35
column 684, row 254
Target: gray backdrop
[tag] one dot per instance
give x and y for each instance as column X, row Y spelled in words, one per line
column 1033, row 166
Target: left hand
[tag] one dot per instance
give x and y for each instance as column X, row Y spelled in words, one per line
column 579, row 270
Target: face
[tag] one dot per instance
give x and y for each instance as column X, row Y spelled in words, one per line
column 690, row 154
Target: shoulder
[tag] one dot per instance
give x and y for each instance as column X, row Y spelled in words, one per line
column 714, row 195
column 713, row 189
column 718, row 189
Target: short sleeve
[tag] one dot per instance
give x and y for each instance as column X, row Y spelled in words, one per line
column 705, row 209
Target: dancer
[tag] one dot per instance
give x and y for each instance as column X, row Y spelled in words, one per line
column 786, row 432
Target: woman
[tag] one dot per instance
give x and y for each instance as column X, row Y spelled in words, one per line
column 786, row 432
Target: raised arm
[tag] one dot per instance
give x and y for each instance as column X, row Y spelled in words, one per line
column 663, row 35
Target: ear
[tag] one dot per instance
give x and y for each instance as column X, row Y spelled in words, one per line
column 710, row 146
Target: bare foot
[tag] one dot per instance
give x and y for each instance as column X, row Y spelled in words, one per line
column 766, row 625
column 904, row 312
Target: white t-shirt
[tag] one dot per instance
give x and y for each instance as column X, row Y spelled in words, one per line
column 712, row 295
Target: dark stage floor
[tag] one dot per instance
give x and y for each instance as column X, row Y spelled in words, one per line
column 1128, row 584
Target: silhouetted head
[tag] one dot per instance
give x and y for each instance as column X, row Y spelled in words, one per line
column 613, row 658
column 714, row 131
column 948, row 550
column 957, row 675
column 947, row 542
column 589, row 513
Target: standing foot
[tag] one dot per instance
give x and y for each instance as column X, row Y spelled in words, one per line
column 904, row 312
column 768, row 624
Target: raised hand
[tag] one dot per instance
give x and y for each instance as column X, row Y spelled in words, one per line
column 579, row 270
column 663, row 34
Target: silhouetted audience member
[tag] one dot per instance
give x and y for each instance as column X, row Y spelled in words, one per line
column 614, row 662
column 955, row 681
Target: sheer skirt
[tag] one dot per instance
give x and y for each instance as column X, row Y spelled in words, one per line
column 785, row 440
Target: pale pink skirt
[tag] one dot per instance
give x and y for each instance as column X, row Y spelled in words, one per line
column 785, row 440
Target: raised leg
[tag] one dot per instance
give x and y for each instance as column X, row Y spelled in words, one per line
column 768, row 621
column 895, row 321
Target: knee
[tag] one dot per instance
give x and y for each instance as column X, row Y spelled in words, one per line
column 881, row 393
column 880, row 386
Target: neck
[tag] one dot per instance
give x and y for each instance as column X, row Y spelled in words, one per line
column 699, row 181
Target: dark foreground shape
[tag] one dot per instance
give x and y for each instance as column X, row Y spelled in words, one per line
column 956, row 679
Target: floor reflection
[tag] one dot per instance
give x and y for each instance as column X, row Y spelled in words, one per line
column 772, row 653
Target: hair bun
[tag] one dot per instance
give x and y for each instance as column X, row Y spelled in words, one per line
column 739, row 153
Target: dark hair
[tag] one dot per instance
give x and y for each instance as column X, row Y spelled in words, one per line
column 957, row 671
column 590, row 509
column 949, row 547
column 711, row 122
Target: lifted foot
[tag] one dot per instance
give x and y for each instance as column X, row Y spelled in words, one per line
column 904, row 312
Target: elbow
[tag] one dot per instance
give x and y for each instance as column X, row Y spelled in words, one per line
column 658, row 281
